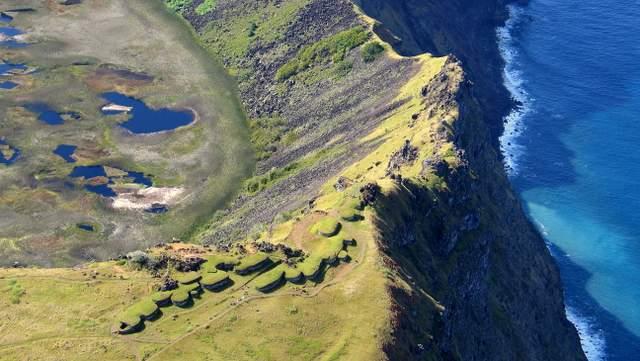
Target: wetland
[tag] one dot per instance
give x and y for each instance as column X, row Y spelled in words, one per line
column 173, row 150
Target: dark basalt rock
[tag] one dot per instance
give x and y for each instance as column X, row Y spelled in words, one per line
column 168, row 284
column 369, row 193
column 405, row 155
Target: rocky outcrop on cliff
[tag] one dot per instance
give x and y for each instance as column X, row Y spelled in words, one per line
column 483, row 284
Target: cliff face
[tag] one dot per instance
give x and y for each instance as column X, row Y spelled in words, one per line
column 470, row 277
column 463, row 28
column 469, row 247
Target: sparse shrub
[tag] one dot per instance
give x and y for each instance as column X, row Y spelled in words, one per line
column 178, row 5
column 15, row 292
column 333, row 48
column 138, row 259
column 206, row 7
column 288, row 70
column 252, row 29
column 371, row 51
column 343, row 68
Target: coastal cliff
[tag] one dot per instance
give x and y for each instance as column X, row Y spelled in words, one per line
column 379, row 223
column 479, row 281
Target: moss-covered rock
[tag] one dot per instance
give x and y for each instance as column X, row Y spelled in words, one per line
column 162, row 298
column 219, row 262
column 188, row 278
column 216, row 281
column 270, row 280
column 128, row 323
column 181, row 298
column 253, row 263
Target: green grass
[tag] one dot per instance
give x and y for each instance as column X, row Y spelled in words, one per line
column 327, row 227
column 16, row 291
column 188, row 278
column 180, row 296
column 129, row 319
column 230, row 37
column 266, row 134
column 259, row 183
column 144, row 308
column 211, row 279
column 215, row 261
column 270, row 277
column 310, row 266
column 251, row 261
column 178, row 5
column 206, row 7
column 349, row 214
column 292, row 273
column 371, row 51
column 190, row 287
column 333, row 48
column 161, row 296
column 329, row 248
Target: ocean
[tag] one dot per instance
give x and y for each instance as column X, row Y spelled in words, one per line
column 572, row 150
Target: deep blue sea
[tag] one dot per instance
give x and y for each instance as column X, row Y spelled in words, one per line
column 573, row 149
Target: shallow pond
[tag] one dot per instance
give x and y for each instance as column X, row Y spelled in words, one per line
column 7, row 34
column 8, row 67
column 8, row 154
column 8, row 85
column 65, row 151
column 45, row 113
column 104, row 189
column 5, row 18
column 145, row 120
column 86, row 227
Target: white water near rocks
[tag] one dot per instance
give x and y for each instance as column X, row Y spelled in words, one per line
column 592, row 339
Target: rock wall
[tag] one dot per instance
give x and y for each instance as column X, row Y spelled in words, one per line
column 484, row 286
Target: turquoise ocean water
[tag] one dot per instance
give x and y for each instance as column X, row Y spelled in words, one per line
column 573, row 153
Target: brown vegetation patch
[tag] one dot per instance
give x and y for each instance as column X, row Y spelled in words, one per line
column 107, row 78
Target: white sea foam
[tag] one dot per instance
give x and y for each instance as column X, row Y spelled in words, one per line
column 514, row 82
column 592, row 339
